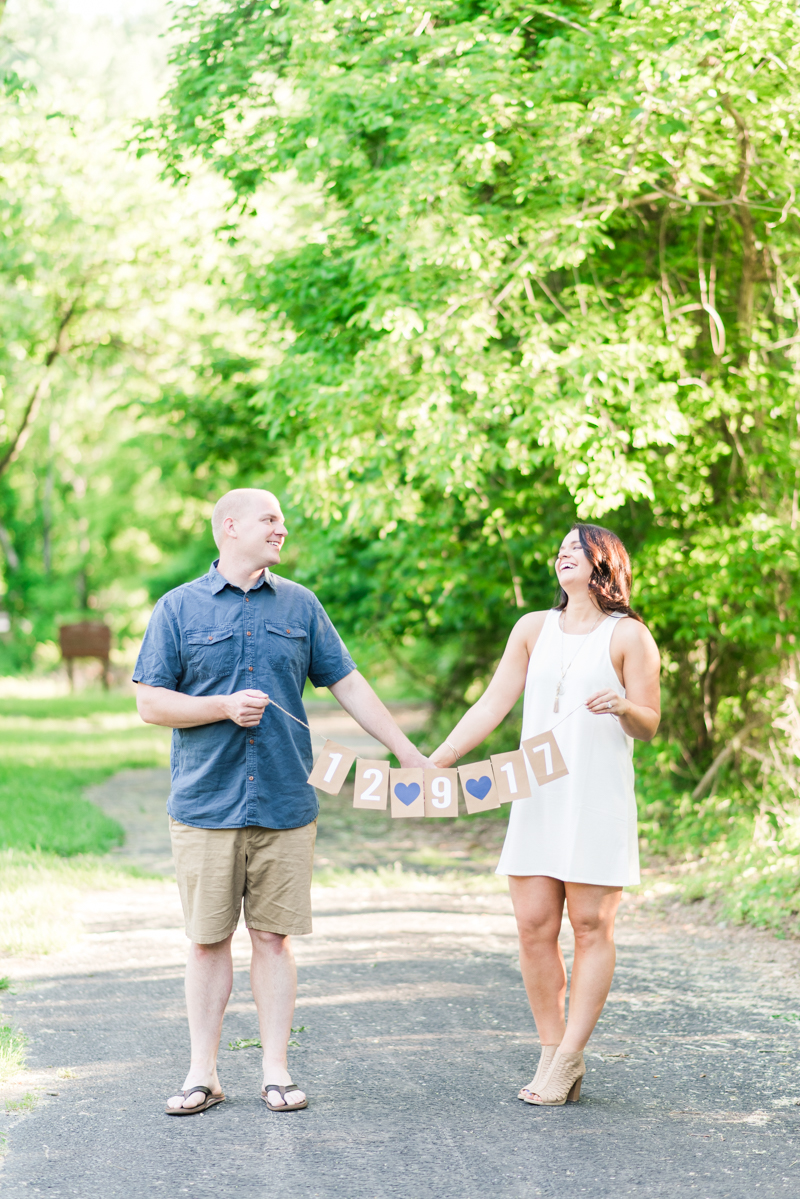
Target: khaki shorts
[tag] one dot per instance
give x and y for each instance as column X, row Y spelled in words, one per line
column 267, row 867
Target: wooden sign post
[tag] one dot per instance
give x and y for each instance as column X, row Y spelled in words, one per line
column 89, row 639
column 478, row 785
column 441, row 792
column 372, row 784
column 407, row 794
column 545, row 758
column 331, row 767
column 511, row 776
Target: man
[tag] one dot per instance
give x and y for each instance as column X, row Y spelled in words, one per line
column 242, row 816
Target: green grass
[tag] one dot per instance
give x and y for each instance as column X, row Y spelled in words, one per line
column 38, row 892
column 51, row 750
column 749, row 882
column 12, row 1052
column 51, row 836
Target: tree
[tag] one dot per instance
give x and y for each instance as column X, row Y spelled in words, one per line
column 554, row 273
column 104, row 296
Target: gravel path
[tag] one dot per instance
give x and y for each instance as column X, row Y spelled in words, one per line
column 415, row 1038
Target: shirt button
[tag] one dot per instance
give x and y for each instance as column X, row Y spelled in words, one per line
column 249, row 634
column 252, row 742
column 250, row 777
column 246, row 600
column 249, row 667
column 211, row 638
column 288, row 630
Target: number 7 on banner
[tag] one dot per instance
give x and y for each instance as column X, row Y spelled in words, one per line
column 545, row 758
column 331, row 767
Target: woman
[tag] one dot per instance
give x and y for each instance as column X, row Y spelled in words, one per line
column 590, row 671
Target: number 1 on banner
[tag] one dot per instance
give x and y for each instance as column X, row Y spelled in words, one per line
column 331, row 771
column 511, row 776
column 331, row 767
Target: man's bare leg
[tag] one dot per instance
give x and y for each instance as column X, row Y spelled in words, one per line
column 273, row 979
column 209, row 979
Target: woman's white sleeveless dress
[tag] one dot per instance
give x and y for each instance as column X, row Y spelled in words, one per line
column 580, row 828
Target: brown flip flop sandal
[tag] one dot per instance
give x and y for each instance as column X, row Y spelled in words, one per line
column 211, row 1099
column 283, row 1107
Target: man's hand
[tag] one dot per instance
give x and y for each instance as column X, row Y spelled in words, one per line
column 245, row 708
column 175, row 710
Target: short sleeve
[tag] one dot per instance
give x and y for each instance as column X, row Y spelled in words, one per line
column 159, row 662
column 330, row 660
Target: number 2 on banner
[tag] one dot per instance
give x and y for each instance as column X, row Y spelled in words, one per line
column 372, row 784
column 376, row 776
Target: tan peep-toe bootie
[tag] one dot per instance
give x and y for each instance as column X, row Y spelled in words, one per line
column 545, row 1062
column 563, row 1081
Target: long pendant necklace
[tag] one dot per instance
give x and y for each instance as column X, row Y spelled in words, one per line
column 564, row 668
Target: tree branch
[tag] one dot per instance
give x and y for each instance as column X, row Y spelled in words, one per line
column 17, row 443
column 722, row 757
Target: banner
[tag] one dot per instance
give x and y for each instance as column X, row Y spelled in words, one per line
column 372, row 784
column 441, row 792
column 478, row 785
column 406, row 787
column 511, row 776
column 434, row 791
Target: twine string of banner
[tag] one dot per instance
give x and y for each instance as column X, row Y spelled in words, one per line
column 567, row 716
column 272, row 703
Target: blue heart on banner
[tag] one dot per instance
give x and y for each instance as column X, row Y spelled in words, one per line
column 481, row 787
column 406, row 792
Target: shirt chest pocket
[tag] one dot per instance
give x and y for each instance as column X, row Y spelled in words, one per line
column 287, row 648
column 211, row 652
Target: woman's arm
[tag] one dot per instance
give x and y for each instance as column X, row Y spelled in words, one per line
column 635, row 657
column 499, row 697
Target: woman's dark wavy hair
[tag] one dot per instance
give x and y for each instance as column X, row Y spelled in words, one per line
column 610, row 584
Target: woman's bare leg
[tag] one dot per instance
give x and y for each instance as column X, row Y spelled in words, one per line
column 539, row 906
column 591, row 911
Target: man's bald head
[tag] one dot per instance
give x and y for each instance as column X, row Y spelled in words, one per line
column 238, row 503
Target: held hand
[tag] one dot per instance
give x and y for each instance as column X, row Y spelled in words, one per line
column 607, row 703
column 414, row 758
column 245, row 708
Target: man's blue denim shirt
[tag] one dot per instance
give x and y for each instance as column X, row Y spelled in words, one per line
column 210, row 638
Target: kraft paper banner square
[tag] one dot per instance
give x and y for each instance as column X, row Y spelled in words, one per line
column 441, row 792
column 372, row 784
column 511, row 776
column 545, row 758
column 478, row 785
column 331, row 767
column 406, row 788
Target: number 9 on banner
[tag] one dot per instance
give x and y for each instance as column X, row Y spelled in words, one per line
column 441, row 792
column 372, row 784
